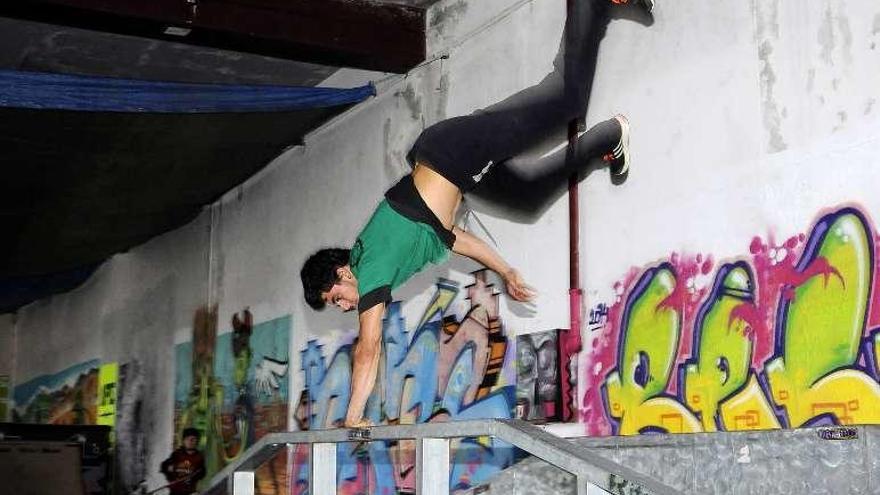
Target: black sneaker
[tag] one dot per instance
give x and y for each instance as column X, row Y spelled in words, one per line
column 618, row 158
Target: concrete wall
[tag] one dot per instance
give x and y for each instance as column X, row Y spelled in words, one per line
column 7, row 343
column 750, row 119
column 7, row 363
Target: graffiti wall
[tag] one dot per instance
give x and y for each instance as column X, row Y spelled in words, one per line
column 441, row 367
column 785, row 336
column 233, row 387
column 68, row 397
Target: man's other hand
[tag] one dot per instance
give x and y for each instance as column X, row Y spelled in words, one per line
column 516, row 286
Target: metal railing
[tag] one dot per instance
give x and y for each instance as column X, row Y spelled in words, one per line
column 593, row 473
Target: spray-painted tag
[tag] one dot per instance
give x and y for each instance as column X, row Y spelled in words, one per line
column 838, row 433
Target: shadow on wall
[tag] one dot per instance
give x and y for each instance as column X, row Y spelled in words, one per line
column 525, row 181
column 787, row 339
column 524, row 196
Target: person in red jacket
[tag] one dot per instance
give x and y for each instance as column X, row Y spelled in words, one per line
column 186, row 465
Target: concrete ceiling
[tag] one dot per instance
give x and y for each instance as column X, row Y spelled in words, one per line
column 34, row 46
column 384, row 35
column 79, row 187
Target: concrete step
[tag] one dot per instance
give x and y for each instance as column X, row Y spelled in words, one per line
column 838, row 460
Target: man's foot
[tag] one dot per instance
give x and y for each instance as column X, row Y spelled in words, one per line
column 647, row 4
column 618, row 158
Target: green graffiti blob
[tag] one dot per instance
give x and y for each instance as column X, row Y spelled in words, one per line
column 725, row 351
column 823, row 325
column 720, row 386
column 651, row 332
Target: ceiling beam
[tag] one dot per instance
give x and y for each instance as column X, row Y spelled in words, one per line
column 368, row 34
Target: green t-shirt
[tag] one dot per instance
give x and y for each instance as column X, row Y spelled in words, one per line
column 390, row 250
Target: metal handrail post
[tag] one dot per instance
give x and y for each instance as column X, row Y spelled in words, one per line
column 243, row 483
column 432, row 466
column 323, row 469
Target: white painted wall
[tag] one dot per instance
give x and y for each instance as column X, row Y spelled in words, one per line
column 747, row 116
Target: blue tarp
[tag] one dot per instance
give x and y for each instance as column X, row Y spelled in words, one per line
column 36, row 90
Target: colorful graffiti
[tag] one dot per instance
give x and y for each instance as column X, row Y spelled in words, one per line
column 68, row 397
column 538, row 391
column 233, row 387
column 786, row 339
column 445, row 369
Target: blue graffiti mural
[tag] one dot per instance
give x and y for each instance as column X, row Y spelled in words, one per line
column 445, row 369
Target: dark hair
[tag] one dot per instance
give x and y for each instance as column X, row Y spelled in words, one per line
column 190, row 432
column 319, row 274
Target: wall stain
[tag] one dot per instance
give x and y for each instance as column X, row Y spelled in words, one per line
column 145, row 57
column 842, row 118
column 826, row 37
column 442, row 92
column 829, row 38
column 846, row 33
column 772, row 117
column 412, row 101
column 767, row 22
column 451, row 13
column 766, row 18
column 869, row 106
column 390, row 169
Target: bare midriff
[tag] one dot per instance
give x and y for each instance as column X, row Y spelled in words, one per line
column 441, row 196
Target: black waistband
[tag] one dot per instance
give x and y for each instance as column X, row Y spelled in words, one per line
column 405, row 199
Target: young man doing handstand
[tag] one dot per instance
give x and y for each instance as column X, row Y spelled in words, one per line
column 415, row 224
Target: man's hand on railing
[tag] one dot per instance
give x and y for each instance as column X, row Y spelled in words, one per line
column 360, row 423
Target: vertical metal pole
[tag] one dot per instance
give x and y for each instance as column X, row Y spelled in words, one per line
column 323, row 469
column 243, row 483
column 432, row 466
column 571, row 340
column 573, row 210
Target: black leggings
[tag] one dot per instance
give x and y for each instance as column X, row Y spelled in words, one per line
column 464, row 149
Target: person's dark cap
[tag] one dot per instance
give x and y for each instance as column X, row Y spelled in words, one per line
column 191, row 432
